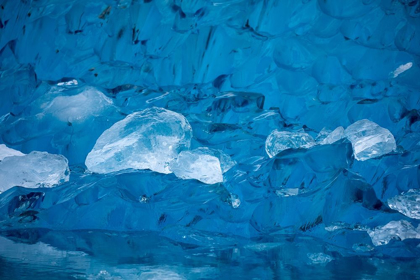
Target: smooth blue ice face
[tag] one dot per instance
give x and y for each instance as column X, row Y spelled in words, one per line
column 251, row 119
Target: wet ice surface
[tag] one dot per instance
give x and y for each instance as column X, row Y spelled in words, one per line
column 291, row 126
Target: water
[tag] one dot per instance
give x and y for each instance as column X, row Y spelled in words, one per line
column 42, row 254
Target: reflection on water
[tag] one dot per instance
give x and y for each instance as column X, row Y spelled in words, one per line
column 41, row 254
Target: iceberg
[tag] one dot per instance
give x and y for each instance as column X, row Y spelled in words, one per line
column 246, row 132
column 279, row 141
column 203, row 164
column 37, row 169
column 148, row 139
column 369, row 140
column 407, row 203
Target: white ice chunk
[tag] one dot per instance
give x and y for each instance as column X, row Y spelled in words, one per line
column 148, row 139
column 37, row 169
column 203, row 164
column 287, row 192
column 369, row 140
column 319, row 258
column 77, row 108
column 7, row 152
column 407, row 203
column 393, row 230
column 361, row 247
column 279, row 141
column 326, row 138
column 401, row 69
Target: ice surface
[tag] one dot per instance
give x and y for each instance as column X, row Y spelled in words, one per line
column 148, row 139
column 407, row 203
column 279, row 141
column 37, row 169
column 369, row 140
column 332, row 85
column 202, row 164
column 8, row 152
column 399, row 230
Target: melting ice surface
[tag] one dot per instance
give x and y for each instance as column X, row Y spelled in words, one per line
column 204, row 139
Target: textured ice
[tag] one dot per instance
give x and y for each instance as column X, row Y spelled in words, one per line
column 311, row 108
column 369, row 140
column 399, row 230
column 407, row 203
column 203, row 164
column 328, row 137
column 279, row 141
column 33, row 170
column 149, row 139
column 7, row 152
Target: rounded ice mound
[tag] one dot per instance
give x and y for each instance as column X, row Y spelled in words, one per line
column 203, row 164
column 148, row 139
column 279, row 141
column 33, row 170
column 369, row 140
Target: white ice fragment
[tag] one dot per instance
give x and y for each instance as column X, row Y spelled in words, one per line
column 325, row 137
column 68, row 83
column 279, row 141
column 203, row 164
column 37, row 169
column 393, row 230
column 369, row 140
column 8, row 152
column 401, row 69
column 361, row 247
column 407, row 203
column 234, row 200
column 287, row 192
column 148, row 139
column 319, row 258
column 261, row 247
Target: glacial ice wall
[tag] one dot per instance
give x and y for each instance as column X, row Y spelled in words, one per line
column 301, row 117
